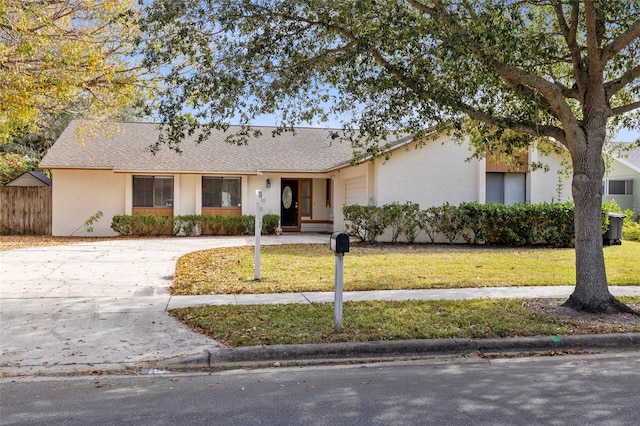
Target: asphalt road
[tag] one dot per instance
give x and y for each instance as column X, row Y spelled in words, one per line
column 599, row 389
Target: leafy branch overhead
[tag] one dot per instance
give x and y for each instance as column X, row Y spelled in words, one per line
column 65, row 57
column 527, row 66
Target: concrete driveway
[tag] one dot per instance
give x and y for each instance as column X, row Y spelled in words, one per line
column 99, row 305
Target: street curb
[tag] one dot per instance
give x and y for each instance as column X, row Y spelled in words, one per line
column 256, row 356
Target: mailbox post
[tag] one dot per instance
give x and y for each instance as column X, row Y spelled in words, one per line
column 339, row 244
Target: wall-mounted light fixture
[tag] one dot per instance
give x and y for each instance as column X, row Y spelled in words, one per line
column 268, row 183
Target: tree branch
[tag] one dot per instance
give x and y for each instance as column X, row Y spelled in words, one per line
column 511, row 74
column 569, row 34
column 530, row 129
column 624, row 40
column 614, row 86
column 623, row 109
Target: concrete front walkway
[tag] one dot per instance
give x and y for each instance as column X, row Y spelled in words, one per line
column 101, row 305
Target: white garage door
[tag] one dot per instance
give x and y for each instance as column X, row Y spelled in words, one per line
column 355, row 191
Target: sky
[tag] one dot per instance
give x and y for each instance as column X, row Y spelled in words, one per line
column 627, row 136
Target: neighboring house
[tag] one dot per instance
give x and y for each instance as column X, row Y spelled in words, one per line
column 622, row 180
column 305, row 177
column 30, row 178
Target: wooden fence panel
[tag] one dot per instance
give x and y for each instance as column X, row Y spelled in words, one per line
column 25, row 210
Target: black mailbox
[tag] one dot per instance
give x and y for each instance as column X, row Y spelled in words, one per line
column 339, row 242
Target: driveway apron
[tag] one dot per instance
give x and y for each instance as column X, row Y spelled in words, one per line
column 101, row 304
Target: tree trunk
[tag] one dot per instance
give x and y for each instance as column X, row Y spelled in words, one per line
column 591, row 292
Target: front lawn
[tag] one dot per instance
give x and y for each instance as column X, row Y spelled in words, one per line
column 250, row 325
column 298, row 268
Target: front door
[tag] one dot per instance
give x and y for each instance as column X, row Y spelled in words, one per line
column 289, row 216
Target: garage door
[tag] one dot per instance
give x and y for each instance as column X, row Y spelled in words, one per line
column 355, row 191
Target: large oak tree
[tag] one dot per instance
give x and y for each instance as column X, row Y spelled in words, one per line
column 520, row 70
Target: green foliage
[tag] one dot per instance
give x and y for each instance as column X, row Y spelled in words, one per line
column 191, row 225
column 365, row 222
column 88, row 224
column 494, row 224
column 185, row 225
column 142, row 225
column 13, row 165
column 66, row 57
column 402, row 219
column 510, row 66
column 631, row 225
column 631, row 231
column 269, row 223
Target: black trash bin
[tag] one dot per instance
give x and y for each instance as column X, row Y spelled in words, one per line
column 614, row 231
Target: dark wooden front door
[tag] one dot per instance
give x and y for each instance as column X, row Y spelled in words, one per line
column 289, row 216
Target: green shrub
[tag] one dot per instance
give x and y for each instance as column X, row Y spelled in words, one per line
column 366, row 222
column 402, row 219
column 211, row 225
column 631, row 231
column 143, row 225
column 187, row 225
column 631, row 225
column 428, row 220
column 122, row 224
column 269, row 223
column 497, row 224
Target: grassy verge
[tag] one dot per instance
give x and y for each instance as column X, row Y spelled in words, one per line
column 250, row 325
column 296, row 268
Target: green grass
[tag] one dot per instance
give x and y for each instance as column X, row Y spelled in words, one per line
column 250, row 325
column 296, row 268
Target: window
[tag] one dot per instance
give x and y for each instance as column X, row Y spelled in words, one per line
column 619, row 187
column 328, row 193
column 152, row 191
column 220, row 191
column 305, row 197
column 506, row 188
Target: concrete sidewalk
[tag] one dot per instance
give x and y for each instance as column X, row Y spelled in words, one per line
column 103, row 305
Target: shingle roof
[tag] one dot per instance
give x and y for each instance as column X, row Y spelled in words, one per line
column 630, row 157
column 634, row 157
column 37, row 175
column 306, row 150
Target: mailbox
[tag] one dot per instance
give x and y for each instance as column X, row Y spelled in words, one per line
column 339, row 242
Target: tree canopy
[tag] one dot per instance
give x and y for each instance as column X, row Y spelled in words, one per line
column 506, row 72
column 65, row 57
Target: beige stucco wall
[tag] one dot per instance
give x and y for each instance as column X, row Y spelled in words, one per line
column 80, row 194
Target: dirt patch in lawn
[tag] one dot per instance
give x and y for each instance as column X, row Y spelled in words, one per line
column 608, row 323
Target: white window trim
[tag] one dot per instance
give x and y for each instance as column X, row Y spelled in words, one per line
column 626, row 186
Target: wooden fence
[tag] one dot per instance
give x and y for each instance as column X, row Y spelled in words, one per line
column 25, row 210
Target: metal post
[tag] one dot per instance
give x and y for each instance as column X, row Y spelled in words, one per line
column 337, row 305
column 258, row 231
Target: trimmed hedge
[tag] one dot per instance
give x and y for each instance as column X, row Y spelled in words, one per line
column 191, row 225
column 475, row 223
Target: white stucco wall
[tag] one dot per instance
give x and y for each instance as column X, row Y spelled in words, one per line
column 430, row 176
column 80, row 194
column 551, row 186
